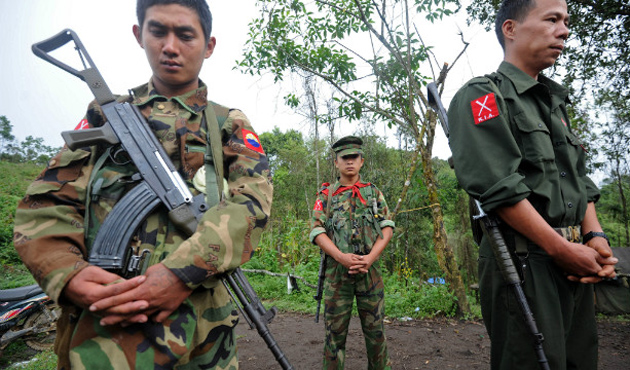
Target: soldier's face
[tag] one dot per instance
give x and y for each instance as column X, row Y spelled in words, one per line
column 175, row 45
column 349, row 165
column 538, row 40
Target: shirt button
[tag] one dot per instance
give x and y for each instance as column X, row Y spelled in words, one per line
column 570, row 205
column 540, row 125
column 160, row 106
column 563, row 174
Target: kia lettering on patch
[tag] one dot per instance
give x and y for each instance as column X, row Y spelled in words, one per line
column 252, row 141
column 484, row 108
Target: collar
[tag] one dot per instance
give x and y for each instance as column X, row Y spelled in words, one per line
column 356, row 189
column 523, row 82
column 194, row 101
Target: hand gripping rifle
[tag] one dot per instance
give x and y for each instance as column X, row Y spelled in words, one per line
column 490, row 227
column 161, row 184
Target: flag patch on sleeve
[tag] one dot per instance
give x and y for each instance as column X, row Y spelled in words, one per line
column 484, row 108
column 82, row 125
column 319, row 205
column 252, row 141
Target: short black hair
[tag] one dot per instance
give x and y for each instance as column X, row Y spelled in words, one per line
column 199, row 6
column 511, row 9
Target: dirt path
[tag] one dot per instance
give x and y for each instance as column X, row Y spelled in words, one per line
column 422, row 344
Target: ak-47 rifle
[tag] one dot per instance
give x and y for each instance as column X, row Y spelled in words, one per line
column 320, row 283
column 159, row 183
column 490, row 227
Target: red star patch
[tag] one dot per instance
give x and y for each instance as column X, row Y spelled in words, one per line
column 484, row 108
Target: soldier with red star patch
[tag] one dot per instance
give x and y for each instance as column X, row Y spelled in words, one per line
column 351, row 225
column 514, row 150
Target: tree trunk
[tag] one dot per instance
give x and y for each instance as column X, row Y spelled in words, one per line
column 445, row 255
column 624, row 205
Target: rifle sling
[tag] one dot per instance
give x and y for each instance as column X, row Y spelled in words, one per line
column 214, row 168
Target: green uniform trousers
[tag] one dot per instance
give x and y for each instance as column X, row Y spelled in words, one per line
column 564, row 312
column 340, row 291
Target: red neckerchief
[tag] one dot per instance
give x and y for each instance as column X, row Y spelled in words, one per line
column 355, row 190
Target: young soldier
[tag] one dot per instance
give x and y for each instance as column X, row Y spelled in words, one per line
column 178, row 314
column 514, row 150
column 355, row 215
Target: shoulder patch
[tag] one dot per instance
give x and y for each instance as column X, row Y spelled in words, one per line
column 484, row 108
column 319, row 205
column 252, row 141
column 82, row 125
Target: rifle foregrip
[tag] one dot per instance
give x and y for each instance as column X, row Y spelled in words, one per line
column 110, row 249
column 502, row 255
column 90, row 136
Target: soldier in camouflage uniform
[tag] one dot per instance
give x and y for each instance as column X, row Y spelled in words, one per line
column 350, row 224
column 177, row 314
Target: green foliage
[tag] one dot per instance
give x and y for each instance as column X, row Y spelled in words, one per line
column 284, row 248
column 18, row 356
column 31, row 150
column 14, row 180
column 15, row 276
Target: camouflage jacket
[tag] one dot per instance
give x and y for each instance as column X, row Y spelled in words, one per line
column 49, row 224
column 357, row 215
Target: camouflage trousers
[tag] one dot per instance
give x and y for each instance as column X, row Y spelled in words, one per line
column 199, row 334
column 340, row 291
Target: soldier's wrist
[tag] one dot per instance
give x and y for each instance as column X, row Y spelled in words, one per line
column 592, row 234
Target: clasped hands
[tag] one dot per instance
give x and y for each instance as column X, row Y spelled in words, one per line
column 356, row 263
column 154, row 295
column 589, row 263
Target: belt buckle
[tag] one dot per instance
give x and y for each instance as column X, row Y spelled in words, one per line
column 575, row 234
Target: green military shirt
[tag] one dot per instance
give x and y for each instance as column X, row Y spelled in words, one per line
column 511, row 140
column 352, row 214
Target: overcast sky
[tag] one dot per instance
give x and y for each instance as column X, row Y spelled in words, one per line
column 41, row 100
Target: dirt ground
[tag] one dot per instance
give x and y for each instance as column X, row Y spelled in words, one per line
column 416, row 344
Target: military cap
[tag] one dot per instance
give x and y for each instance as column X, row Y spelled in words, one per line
column 348, row 145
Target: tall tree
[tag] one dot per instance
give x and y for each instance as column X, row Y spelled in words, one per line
column 615, row 147
column 371, row 52
column 6, row 135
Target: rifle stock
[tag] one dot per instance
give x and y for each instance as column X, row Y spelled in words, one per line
column 490, row 227
column 161, row 185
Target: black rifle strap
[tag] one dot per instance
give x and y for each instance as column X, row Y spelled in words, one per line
column 214, row 153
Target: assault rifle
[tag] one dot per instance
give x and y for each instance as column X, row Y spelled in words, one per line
column 159, row 183
column 320, row 284
column 490, row 227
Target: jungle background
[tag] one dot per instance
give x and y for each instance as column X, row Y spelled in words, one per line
column 430, row 264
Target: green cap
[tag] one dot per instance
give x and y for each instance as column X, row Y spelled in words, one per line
column 348, row 145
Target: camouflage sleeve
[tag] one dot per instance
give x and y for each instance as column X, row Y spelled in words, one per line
column 48, row 233
column 48, row 230
column 228, row 233
column 383, row 210
column 318, row 220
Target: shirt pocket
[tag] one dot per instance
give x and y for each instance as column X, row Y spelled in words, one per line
column 535, row 138
column 578, row 152
column 63, row 168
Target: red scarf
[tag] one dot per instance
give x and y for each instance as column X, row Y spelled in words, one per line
column 355, row 190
